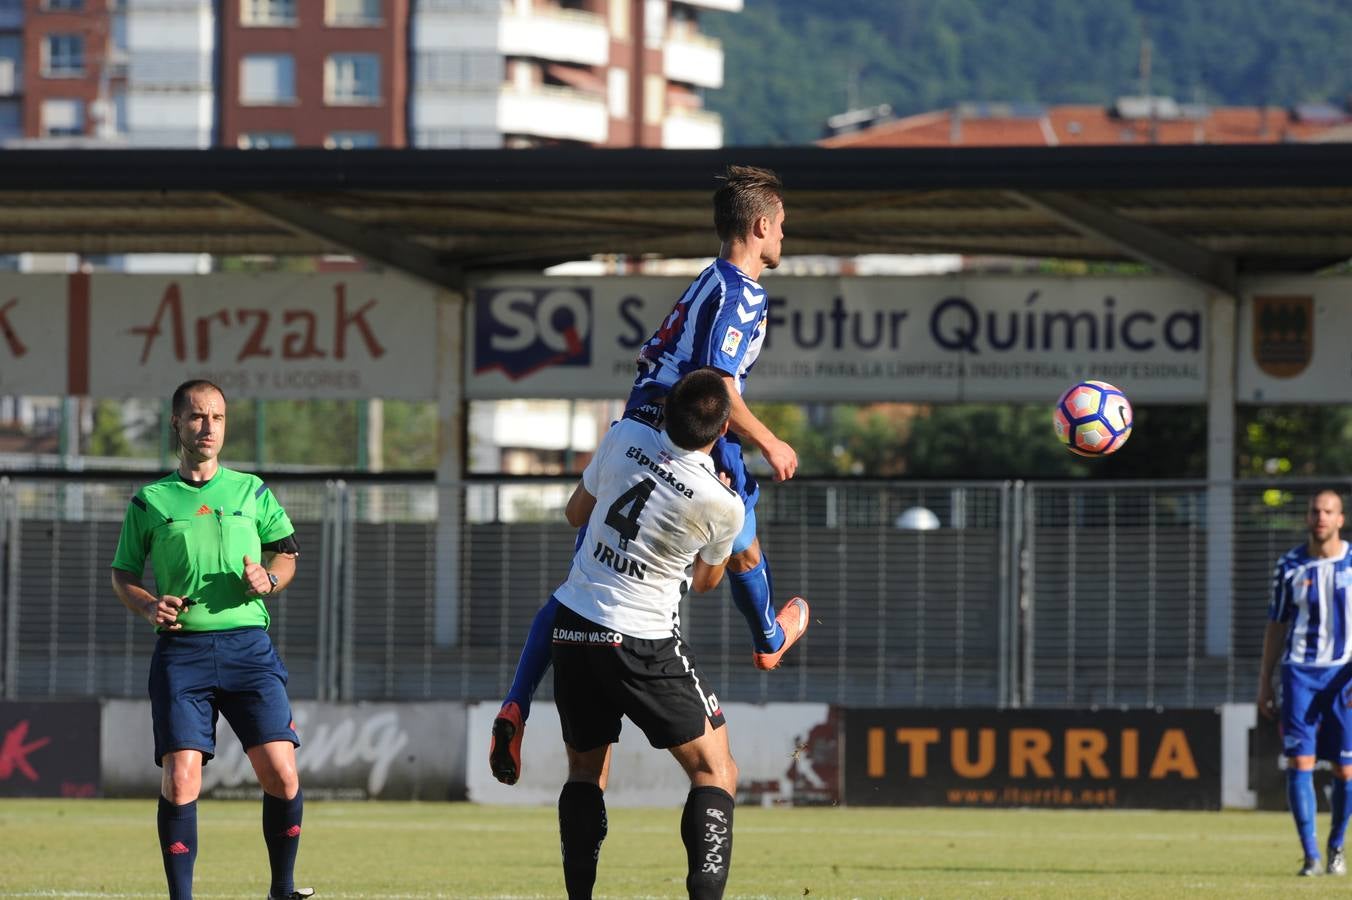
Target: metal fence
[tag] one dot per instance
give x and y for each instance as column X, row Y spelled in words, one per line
column 1028, row 594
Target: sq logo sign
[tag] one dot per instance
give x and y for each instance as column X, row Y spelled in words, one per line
column 521, row 330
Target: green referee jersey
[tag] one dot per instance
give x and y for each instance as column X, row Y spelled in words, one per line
column 197, row 538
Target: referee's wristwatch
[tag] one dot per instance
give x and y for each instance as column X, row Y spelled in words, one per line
column 272, row 582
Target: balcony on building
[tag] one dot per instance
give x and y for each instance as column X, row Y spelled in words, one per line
column 691, row 129
column 553, row 33
column 551, row 111
column 693, row 58
column 543, row 32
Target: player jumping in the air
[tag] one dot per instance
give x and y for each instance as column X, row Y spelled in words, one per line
column 719, row 323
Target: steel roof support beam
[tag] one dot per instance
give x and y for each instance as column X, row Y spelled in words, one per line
column 1214, row 271
column 407, row 256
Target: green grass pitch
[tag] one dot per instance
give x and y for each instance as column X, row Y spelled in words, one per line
column 107, row 848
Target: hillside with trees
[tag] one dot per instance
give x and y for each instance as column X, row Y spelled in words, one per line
column 792, row 63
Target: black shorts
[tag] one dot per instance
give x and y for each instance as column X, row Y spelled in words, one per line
column 601, row 675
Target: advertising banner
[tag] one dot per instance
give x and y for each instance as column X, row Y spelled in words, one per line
column 1140, row 759
column 34, row 349
column 301, row 336
column 786, row 755
column 948, row 339
column 49, row 749
column 349, row 751
column 1295, row 341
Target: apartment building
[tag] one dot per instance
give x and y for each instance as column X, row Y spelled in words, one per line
column 11, row 69
column 314, row 73
column 523, row 73
column 171, row 92
column 62, row 70
column 260, row 74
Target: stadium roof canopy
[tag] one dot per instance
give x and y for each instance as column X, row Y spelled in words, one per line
column 1205, row 212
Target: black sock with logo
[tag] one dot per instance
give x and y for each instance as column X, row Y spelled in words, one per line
column 706, row 831
column 582, row 828
column 281, row 833
column 178, row 845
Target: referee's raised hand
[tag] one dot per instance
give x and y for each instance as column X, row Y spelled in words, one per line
column 256, row 580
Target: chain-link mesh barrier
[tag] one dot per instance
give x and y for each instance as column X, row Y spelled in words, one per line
column 922, row 594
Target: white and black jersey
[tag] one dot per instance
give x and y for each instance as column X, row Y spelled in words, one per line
column 657, row 505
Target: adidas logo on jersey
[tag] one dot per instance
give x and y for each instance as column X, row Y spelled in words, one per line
column 204, row 510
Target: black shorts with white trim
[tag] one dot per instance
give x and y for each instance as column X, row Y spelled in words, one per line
column 601, row 675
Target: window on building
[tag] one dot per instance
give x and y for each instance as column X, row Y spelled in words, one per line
column 459, row 68
column 654, row 99
column 267, row 12
column 63, row 55
column 11, row 63
column 265, row 140
column 63, row 117
column 266, row 78
column 617, row 93
column 619, row 20
column 63, row 5
column 352, row 78
column 654, row 23
column 352, row 12
column 352, row 140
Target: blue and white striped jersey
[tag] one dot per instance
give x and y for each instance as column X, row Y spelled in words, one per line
column 1311, row 593
column 718, row 322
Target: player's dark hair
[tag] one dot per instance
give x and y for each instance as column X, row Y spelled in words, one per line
column 179, row 402
column 696, row 408
column 180, row 398
column 747, row 193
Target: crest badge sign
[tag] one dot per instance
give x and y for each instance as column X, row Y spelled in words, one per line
column 1283, row 334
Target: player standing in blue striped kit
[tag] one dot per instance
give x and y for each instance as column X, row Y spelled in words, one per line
column 1310, row 630
column 718, row 323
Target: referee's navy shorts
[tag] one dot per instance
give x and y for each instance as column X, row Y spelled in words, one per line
column 197, row 676
column 601, row 675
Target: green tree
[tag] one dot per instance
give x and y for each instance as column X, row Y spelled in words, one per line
column 108, row 437
column 979, row 441
column 410, row 440
column 1303, row 441
column 792, row 63
column 310, row 432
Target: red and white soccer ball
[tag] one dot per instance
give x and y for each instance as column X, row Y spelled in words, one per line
column 1093, row 418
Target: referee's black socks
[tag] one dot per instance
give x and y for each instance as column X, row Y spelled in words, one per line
column 281, row 834
column 178, row 843
column 706, row 830
column 582, row 828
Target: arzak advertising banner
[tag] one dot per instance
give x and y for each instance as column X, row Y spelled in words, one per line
column 857, row 339
column 49, row 749
column 336, row 336
column 1033, row 757
column 34, row 339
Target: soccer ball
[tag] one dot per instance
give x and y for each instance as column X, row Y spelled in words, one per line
column 1093, row 418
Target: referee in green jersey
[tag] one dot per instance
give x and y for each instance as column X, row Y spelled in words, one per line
column 220, row 545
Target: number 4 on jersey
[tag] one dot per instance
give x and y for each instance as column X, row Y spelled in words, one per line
column 626, row 522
